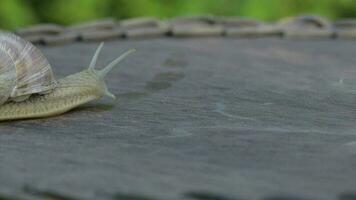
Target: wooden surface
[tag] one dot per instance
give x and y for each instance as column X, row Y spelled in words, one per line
column 202, row 119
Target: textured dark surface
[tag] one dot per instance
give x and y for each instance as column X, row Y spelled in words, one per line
column 196, row 119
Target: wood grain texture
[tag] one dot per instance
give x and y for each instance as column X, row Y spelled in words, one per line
column 214, row 118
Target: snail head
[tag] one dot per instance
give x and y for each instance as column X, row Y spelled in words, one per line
column 103, row 72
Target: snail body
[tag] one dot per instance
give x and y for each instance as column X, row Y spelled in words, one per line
column 63, row 95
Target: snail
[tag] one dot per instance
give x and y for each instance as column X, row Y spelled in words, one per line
column 28, row 88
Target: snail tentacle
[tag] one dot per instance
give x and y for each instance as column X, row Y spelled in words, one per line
column 103, row 72
column 109, row 67
column 95, row 57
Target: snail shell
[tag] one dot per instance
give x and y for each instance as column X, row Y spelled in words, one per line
column 24, row 70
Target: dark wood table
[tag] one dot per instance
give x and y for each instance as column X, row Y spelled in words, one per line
column 199, row 118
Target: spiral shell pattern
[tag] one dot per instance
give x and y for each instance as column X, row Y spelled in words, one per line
column 24, row 70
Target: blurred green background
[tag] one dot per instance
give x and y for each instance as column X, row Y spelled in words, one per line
column 20, row 13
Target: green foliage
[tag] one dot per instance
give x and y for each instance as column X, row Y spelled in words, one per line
column 15, row 13
column 69, row 11
column 18, row 13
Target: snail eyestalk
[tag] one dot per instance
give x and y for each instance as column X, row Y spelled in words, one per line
column 102, row 73
column 95, row 57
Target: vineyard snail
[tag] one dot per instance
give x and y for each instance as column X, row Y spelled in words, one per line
column 28, row 88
